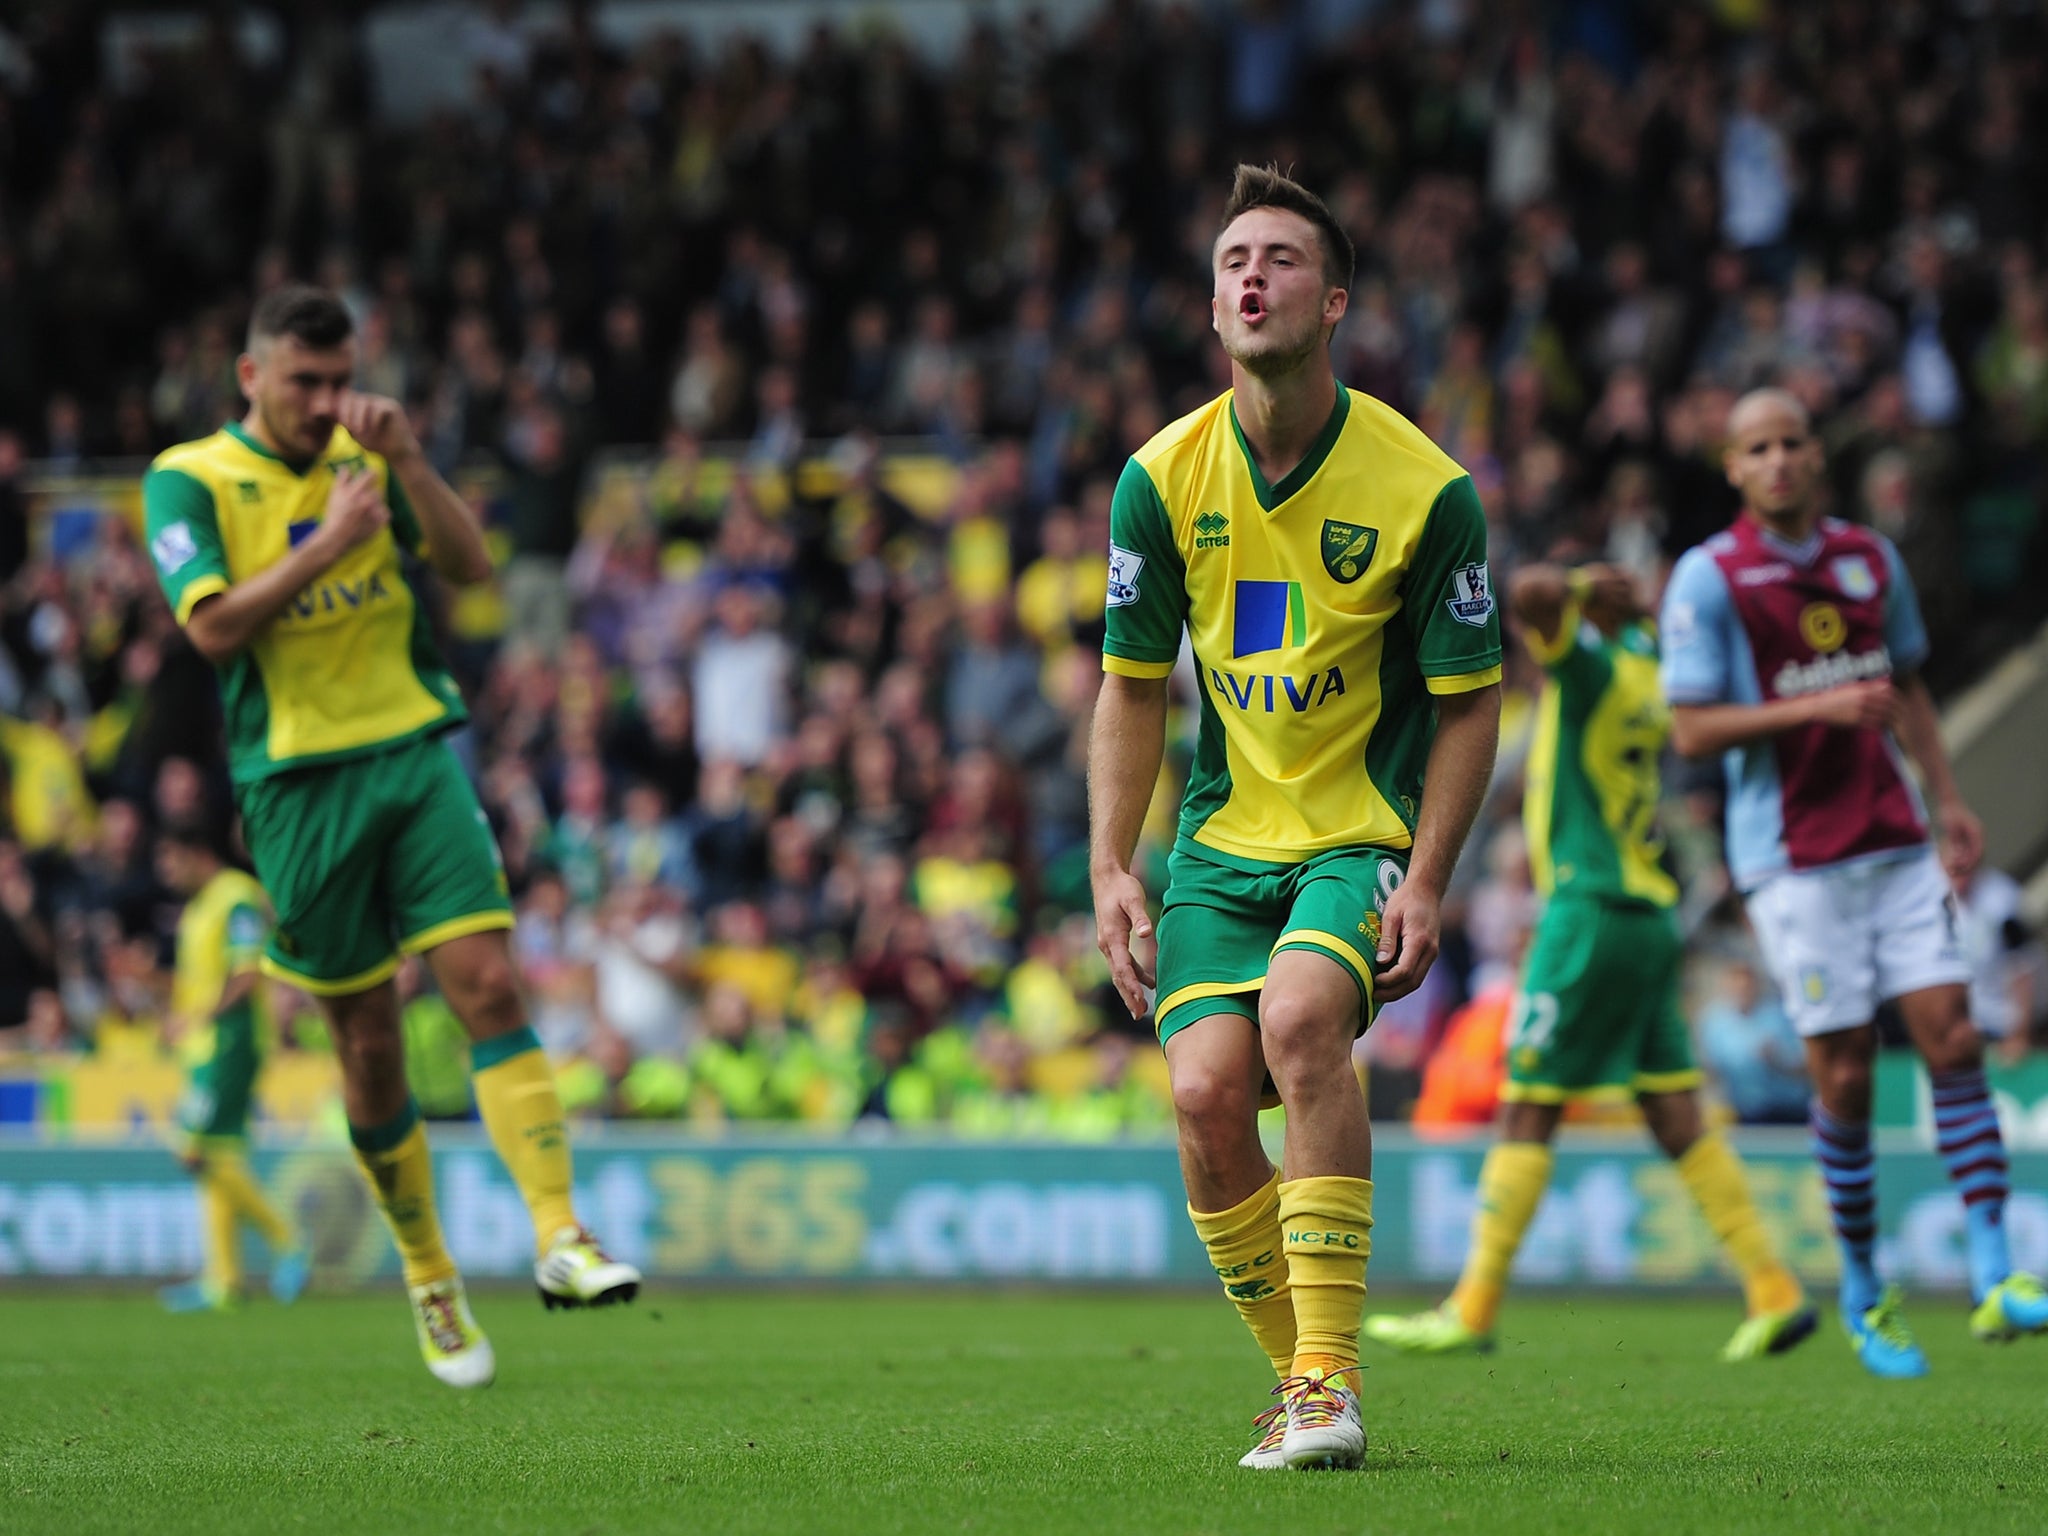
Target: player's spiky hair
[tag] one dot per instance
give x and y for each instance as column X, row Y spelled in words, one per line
column 309, row 315
column 1266, row 186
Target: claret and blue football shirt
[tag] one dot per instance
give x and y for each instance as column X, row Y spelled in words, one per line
column 1748, row 618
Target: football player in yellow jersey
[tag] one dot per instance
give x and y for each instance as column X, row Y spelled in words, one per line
column 1328, row 564
column 277, row 541
column 219, row 1020
column 1598, row 1011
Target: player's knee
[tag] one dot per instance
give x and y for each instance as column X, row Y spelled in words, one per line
column 1300, row 1029
column 370, row 1043
column 1843, row 1078
column 1956, row 1046
column 1674, row 1122
column 487, row 995
column 363, row 1016
column 1207, row 1100
column 497, row 992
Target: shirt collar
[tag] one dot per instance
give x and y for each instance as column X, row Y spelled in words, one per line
column 1805, row 552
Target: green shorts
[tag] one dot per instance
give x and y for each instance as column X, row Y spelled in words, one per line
column 1597, row 1015
column 215, row 1105
column 370, row 858
column 1219, row 928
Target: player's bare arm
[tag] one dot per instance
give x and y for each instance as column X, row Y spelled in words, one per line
column 1460, row 767
column 1919, row 732
column 222, row 624
column 454, row 541
column 1707, row 730
column 1125, row 745
column 1539, row 593
column 239, row 990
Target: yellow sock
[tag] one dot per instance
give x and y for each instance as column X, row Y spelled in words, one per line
column 515, row 1093
column 232, row 1173
column 401, row 1173
column 1713, row 1173
column 222, row 1273
column 1326, row 1224
column 1244, row 1246
column 1511, row 1186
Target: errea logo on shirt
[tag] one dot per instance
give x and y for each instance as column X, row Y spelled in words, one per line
column 1212, row 531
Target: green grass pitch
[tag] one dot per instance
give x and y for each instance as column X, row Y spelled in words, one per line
column 906, row 1412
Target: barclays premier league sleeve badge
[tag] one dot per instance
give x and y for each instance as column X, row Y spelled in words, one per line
column 1471, row 600
column 1123, row 576
column 174, row 548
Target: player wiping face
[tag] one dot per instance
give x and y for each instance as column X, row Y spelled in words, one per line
column 298, row 394
column 297, row 391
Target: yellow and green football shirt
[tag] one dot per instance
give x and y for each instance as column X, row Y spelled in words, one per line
column 1323, row 611
column 220, row 936
column 1590, row 804
column 351, row 666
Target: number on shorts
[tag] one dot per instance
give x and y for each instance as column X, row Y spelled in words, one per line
column 1391, row 875
column 1534, row 1021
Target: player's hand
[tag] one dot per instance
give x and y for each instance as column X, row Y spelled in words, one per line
column 1610, row 596
column 378, row 422
column 356, row 511
column 1867, row 706
column 1123, row 932
column 1961, row 839
column 1411, row 928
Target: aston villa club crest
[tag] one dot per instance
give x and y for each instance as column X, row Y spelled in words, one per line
column 1347, row 549
column 1855, row 577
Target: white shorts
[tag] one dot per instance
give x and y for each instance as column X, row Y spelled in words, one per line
column 1840, row 941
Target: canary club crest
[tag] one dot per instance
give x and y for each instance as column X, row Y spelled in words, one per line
column 1347, row 549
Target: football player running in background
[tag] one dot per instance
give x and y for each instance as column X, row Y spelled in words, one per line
column 220, row 1019
column 1597, row 1014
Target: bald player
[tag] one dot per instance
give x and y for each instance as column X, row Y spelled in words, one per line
column 1792, row 649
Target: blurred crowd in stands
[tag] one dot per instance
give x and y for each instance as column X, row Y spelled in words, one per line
column 794, row 388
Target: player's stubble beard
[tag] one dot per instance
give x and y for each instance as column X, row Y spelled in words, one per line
column 1271, row 354
column 305, row 438
column 1796, row 514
